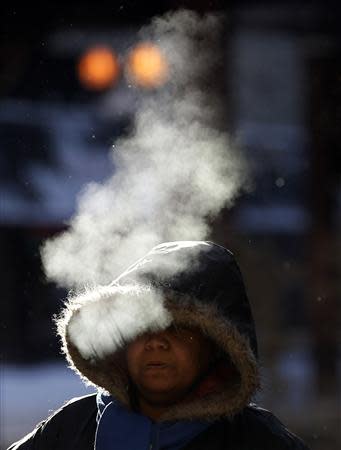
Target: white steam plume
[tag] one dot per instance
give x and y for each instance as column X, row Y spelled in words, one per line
column 174, row 173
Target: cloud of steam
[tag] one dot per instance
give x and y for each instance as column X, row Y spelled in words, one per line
column 109, row 317
column 174, row 173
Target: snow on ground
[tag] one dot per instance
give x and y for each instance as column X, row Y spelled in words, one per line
column 30, row 393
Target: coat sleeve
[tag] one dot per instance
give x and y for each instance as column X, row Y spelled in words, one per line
column 38, row 439
column 72, row 426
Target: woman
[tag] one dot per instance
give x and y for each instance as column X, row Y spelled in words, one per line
column 171, row 347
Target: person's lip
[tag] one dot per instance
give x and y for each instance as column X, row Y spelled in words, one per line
column 156, row 365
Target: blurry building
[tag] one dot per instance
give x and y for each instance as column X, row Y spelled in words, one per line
column 285, row 90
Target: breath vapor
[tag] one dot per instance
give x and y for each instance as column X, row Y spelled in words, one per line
column 173, row 174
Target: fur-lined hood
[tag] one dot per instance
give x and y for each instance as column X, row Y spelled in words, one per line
column 186, row 283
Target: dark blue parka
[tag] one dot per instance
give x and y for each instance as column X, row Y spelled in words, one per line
column 186, row 283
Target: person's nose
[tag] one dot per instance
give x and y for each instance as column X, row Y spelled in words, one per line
column 157, row 341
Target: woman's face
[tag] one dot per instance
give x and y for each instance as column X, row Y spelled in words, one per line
column 164, row 366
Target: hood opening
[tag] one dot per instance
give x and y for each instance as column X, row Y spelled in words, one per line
column 225, row 390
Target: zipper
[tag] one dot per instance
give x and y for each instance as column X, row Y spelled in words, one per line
column 154, row 444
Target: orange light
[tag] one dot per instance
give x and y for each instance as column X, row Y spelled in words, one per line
column 98, row 68
column 147, row 66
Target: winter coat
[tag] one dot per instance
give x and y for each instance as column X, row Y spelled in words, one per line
column 186, row 283
column 73, row 427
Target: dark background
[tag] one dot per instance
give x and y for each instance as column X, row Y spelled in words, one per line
column 283, row 97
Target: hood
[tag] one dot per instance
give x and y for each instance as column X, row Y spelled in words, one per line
column 187, row 283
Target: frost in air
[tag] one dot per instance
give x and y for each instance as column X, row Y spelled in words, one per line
column 173, row 174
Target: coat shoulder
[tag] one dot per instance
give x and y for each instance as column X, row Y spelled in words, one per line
column 75, row 411
column 81, row 404
column 264, row 427
column 64, row 428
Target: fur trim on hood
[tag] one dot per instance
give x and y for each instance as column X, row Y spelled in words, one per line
column 196, row 284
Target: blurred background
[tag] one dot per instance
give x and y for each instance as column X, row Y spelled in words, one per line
column 66, row 97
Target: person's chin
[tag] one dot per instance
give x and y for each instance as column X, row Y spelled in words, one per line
column 159, row 390
column 158, row 385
